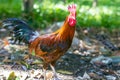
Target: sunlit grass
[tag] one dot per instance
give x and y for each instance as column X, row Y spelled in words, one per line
column 46, row 12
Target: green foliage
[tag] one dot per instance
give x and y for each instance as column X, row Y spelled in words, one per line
column 46, row 12
column 98, row 17
column 10, row 8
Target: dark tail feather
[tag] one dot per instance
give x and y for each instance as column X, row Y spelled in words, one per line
column 106, row 42
column 20, row 30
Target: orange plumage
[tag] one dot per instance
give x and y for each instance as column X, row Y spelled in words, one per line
column 49, row 47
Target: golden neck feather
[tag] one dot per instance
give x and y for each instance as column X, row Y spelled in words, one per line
column 66, row 31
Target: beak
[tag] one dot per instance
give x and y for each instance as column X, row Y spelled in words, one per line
column 73, row 15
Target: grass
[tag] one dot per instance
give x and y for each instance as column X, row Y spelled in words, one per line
column 106, row 14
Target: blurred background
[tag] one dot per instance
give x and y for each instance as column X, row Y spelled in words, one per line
column 42, row 13
column 93, row 17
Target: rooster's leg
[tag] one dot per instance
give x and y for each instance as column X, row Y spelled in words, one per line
column 54, row 73
column 44, row 74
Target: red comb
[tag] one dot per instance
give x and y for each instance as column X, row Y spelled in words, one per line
column 72, row 8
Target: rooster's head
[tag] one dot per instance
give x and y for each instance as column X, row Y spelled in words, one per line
column 72, row 16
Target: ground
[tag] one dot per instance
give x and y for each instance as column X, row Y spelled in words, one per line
column 88, row 60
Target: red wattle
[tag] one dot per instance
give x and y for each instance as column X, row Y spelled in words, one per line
column 72, row 22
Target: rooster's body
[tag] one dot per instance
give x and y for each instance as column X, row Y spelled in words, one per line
column 49, row 47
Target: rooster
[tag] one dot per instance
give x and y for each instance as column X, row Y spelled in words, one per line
column 49, row 47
